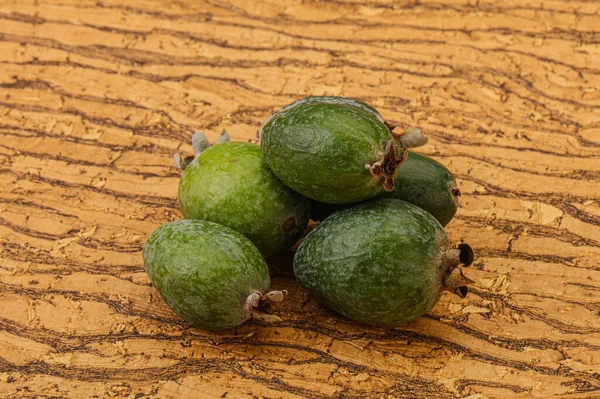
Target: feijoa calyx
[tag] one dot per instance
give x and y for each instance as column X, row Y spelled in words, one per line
column 211, row 276
column 422, row 181
column 230, row 184
column 384, row 262
column 332, row 149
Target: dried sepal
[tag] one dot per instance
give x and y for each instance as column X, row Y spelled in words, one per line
column 182, row 162
column 253, row 301
column 199, row 143
column 223, row 138
column 412, row 138
column 393, row 156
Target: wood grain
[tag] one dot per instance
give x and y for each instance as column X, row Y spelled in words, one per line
column 95, row 97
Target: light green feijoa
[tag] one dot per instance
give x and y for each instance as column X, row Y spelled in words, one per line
column 421, row 181
column 211, row 276
column 332, row 149
column 384, row 262
column 231, row 184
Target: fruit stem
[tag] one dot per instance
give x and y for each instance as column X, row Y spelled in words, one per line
column 393, row 156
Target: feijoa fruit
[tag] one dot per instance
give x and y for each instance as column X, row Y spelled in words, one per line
column 210, row 275
column 231, row 184
column 384, row 262
column 421, row 181
column 332, row 149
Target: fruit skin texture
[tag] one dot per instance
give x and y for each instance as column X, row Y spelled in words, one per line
column 421, row 181
column 380, row 263
column 320, row 148
column 205, row 272
column 428, row 184
column 231, row 184
column 333, row 100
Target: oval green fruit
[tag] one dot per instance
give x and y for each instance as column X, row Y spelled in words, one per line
column 383, row 263
column 332, row 149
column 231, row 184
column 428, row 184
column 210, row 275
column 421, row 181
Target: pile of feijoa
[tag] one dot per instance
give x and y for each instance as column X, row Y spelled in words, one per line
column 379, row 255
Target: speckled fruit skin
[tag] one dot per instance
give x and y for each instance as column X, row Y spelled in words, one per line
column 231, row 184
column 380, row 263
column 319, row 147
column 421, row 181
column 205, row 272
column 335, row 100
column 428, row 184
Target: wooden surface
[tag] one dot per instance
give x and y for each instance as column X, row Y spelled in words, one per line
column 95, row 97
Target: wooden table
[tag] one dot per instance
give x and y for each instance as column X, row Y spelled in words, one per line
column 96, row 96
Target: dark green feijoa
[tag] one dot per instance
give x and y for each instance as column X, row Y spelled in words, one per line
column 211, row 276
column 428, row 184
column 384, row 262
column 410, row 138
column 332, row 150
column 231, row 184
column 421, row 181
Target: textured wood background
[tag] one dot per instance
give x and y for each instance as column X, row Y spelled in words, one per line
column 96, row 96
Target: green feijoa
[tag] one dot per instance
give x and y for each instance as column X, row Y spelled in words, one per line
column 231, row 184
column 428, row 184
column 332, row 151
column 410, row 138
column 384, row 262
column 211, row 276
column 421, row 181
